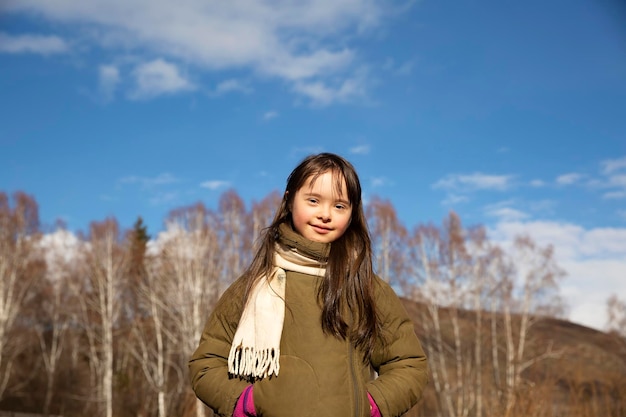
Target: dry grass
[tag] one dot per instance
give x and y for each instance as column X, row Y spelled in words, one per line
column 587, row 379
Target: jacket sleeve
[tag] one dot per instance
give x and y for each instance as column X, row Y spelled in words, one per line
column 208, row 366
column 398, row 358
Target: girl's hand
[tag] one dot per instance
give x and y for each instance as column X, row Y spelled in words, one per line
column 245, row 404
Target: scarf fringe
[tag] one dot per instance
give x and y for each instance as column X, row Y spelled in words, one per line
column 253, row 363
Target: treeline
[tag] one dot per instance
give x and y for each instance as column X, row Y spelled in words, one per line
column 102, row 323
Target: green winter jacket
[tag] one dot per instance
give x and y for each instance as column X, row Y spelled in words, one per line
column 320, row 375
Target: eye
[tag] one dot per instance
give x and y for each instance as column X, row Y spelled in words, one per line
column 312, row 200
column 340, row 206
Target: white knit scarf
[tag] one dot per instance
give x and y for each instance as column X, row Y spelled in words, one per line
column 255, row 350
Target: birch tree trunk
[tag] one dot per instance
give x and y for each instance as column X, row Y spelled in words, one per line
column 536, row 275
column 616, row 315
column 456, row 261
column 105, row 263
column 19, row 256
column 51, row 349
column 192, row 258
column 153, row 341
column 426, row 267
column 60, row 253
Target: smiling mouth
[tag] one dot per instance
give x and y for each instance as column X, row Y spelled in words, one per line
column 321, row 228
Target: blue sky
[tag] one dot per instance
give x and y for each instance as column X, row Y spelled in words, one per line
column 512, row 114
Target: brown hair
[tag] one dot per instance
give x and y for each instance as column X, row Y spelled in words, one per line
column 348, row 284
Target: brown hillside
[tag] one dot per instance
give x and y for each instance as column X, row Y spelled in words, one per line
column 583, row 374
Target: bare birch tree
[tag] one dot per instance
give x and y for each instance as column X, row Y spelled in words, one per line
column 19, row 257
column 534, row 293
column 261, row 215
column 500, row 287
column 443, row 268
column 477, row 242
column 192, row 258
column 616, row 315
column 60, row 250
column 426, row 248
column 389, row 238
column 457, row 263
column 235, row 238
column 456, row 269
column 153, row 341
column 104, row 262
column 488, row 280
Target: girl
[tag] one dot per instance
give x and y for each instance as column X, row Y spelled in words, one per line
column 302, row 332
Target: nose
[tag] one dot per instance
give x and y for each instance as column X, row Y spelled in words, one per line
column 324, row 213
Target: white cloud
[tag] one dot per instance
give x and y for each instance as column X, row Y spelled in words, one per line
column 232, row 85
column 109, row 79
column 614, row 195
column 594, row 259
column 150, row 182
column 476, row 181
column 35, row 44
column 158, row 77
column 610, row 166
column 318, row 63
column 507, row 214
column 542, row 206
column 163, row 198
column 317, row 92
column 214, row 184
column 403, row 69
column 537, row 183
column 269, row 115
column 380, row 182
column 617, row 180
column 293, row 41
column 156, row 188
column 322, row 94
column 569, row 179
column 615, row 172
column 515, row 210
column 452, row 199
column 360, row 150
column 61, row 251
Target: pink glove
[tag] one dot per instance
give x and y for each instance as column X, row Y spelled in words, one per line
column 375, row 412
column 245, row 404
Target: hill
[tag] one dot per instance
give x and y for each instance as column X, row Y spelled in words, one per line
column 565, row 368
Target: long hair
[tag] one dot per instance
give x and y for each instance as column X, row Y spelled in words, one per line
column 346, row 292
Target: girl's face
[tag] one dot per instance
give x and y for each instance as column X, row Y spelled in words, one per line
column 318, row 212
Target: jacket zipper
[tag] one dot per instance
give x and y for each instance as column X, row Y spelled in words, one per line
column 355, row 384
